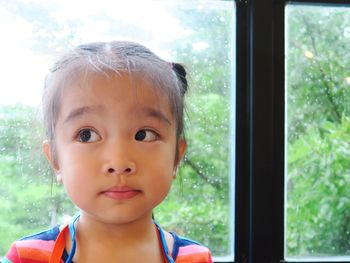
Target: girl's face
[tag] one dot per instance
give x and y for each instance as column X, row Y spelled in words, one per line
column 116, row 144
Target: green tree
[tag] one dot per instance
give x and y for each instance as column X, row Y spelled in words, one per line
column 318, row 199
column 29, row 199
column 205, row 172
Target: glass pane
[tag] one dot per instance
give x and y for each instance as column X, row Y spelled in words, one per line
column 196, row 33
column 317, row 132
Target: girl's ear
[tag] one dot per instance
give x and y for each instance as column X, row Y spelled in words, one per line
column 47, row 150
column 182, row 144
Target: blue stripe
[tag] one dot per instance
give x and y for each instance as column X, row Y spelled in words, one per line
column 72, row 233
column 46, row 235
column 164, row 245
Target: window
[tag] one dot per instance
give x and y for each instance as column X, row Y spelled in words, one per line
column 270, row 154
column 199, row 34
column 317, row 132
column 291, row 195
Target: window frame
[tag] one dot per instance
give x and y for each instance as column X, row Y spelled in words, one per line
column 260, row 124
column 260, row 131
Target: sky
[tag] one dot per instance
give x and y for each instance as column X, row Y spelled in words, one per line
column 31, row 45
column 23, row 68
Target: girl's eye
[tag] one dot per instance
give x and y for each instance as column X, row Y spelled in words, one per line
column 87, row 135
column 146, row 136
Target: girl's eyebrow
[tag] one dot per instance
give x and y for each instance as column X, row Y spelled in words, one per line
column 154, row 113
column 75, row 113
column 146, row 111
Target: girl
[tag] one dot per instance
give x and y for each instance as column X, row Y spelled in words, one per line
column 113, row 114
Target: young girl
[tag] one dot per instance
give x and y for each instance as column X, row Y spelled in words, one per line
column 113, row 114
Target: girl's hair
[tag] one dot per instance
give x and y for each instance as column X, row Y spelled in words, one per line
column 113, row 57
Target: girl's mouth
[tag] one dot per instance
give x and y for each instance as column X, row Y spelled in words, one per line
column 121, row 192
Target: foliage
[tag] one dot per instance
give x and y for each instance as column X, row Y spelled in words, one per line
column 203, row 188
column 199, row 201
column 318, row 149
column 319, row 197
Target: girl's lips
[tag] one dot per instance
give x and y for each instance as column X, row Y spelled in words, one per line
column 121, row 192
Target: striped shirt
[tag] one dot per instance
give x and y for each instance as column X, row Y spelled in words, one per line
column 38, row 248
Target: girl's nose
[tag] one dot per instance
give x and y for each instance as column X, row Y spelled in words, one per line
column 119, row 162
column 120, row 170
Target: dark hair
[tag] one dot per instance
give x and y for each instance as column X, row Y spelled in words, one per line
column 113, row 57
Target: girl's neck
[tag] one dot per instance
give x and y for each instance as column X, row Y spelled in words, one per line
column 133, row 231
column 117, row 241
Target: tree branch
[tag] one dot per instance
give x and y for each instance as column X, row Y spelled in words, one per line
column 202, row 175
column 322, row 73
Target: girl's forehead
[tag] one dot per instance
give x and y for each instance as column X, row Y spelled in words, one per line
column 97, row 88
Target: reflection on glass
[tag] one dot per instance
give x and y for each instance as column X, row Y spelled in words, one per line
column 317, row 132
column 196, row 33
